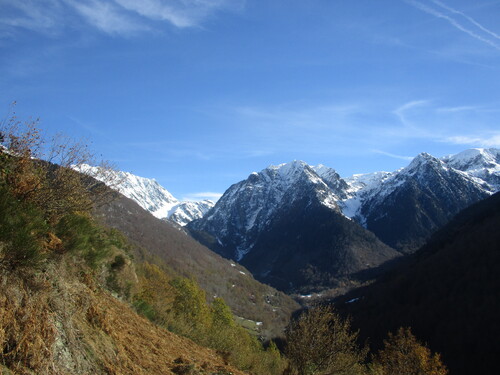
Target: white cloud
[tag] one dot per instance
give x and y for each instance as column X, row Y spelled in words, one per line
column 116, row 17
column 487, row 140
column 401, row 113
column 106, row 16
column 181, row 13
column 34, row 15
column 213, row 196
column 410, row 105
column 391, row 155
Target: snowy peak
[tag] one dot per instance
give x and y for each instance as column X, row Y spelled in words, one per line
column 185, row 212
column 479, row 163
column 289, row 170
column 338, row 185
column 366, row 181
column 473, row 159
column 151, row 196
column 291, row 180
column 422, row 162
column 148, row 193
column 247, row 207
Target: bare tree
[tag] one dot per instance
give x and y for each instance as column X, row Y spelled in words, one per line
column 43, row 170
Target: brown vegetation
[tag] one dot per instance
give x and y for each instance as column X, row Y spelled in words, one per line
column 57, row 324
column 158, row 242
column 403, row 354
column 40, row 170
column 321, row 342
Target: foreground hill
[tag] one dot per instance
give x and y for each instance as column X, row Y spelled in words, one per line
column 156, row 239
column 56, row 323
column 447, row 292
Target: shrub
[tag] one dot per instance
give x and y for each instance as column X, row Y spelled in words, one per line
column 23, row 233
column 403, row 354
column 81, row 236
column 321, row 342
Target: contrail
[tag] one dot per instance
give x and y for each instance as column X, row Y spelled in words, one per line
column 470, row 19
column 452, row 21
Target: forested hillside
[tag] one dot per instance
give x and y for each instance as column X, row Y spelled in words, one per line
column 448, row 293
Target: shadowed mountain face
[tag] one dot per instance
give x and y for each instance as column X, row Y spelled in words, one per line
column 172, row 247
column 447, row 292
column 308, row 246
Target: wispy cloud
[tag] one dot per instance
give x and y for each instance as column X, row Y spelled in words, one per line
column 410, row 105
column 213, row 196
column 107, row 17
column 184, row 13
column 488, row 140
column 115, row 17
column 465, row 108
column 391, row 155
column 376, row 127
column 30, row 14
column 402, row 113
column 473, row 29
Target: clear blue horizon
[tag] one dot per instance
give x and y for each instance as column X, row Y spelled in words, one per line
column 198, row 94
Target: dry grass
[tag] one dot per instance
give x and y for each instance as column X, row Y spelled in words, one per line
column 58, row 323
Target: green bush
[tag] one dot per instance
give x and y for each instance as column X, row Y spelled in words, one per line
column 80, row 235
column 23, row 233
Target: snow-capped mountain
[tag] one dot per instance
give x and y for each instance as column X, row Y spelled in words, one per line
column 480, row 163
column 405, row 207
column 286, row 226
column 187, row 211
column 247, row 207
column 153, row 197
column 258, row 220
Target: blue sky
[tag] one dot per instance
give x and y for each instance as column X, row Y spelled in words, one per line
column 200, row 93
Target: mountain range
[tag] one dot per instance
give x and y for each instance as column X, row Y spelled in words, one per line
column 302, row 228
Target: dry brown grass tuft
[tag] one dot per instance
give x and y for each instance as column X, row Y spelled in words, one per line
column 27, row 333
